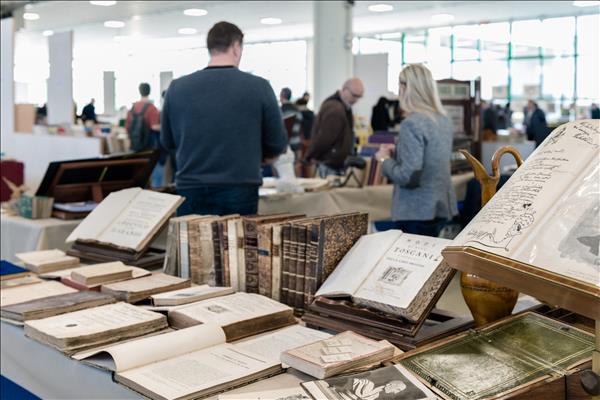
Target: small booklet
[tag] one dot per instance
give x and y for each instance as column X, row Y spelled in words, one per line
column 9, row 270
column 99, row 274
column 240, row 314
column 189, row 295
column 83, row 329
column 342, row 352
column 392, row 382
column 134, row 290
column 42, row 261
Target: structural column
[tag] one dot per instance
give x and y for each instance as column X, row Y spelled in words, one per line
column 7, row 86
column 332, row 47
column 60, row 83
column 109, row 92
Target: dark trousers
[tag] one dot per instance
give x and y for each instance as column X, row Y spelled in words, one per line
column 219, row 200
column 426, row 228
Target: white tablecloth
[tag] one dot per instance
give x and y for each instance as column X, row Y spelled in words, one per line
column 21, row 234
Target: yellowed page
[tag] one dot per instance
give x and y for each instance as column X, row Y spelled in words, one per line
column 42, row 258
column 400, row 274
column 92, row 321
column 21, row 294
column 97, row 270
column 195, row 372
column 190, row 295
column 147, row 350
column 136, row 272
column 271, row 345
column 230, row 309
column 103, row 215
column 133, row 227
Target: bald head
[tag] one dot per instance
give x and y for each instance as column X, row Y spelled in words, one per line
column 352, row 90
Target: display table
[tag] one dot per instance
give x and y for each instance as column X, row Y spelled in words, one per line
column 374, row 200
column 21, row 234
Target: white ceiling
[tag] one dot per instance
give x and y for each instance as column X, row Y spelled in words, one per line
column 162, row 19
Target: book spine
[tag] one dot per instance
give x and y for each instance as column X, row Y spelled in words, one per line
column 251, row 254
column 264, row 260
column 206, row 271
column 233, row 257
column 217, row 254
column 276, row 249
column 241, row 255
column 195, row 252
column 224, row 253
column 300, row 266
column 310, row 274
column 285, row 263
column 293, row 264
column 169, row 265
column 184, row 250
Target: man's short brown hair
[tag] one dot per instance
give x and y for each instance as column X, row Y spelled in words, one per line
column 222, row 36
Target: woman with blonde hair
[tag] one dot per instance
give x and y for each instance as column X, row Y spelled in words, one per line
column 419, row 168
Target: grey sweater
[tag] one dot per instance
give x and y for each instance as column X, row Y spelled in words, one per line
column 222, row 123
column 420, row 172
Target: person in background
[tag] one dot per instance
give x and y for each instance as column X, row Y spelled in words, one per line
column 143, row 126
column 594, row 111
column 89, row 113
column 222, row 123
column 489, row 121
column 308, row 117
column 285, row 98
column 380, row 117
column 423, row 197
column 508, row 115
column 332, row 139
column 306, row 97
column 535, row 122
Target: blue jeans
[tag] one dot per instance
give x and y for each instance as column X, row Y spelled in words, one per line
column 219, row 200
column 426, row 228
column 158, row 175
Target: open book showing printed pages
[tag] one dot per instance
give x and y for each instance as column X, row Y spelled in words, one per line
column 127, row 219
column 392, row 382
column 196, row 361
column 83, row 329
column 240, row 314
column 395, row 272
column 342, row 352
column 548, row 213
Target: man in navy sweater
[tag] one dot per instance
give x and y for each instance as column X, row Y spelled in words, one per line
column 223, row 124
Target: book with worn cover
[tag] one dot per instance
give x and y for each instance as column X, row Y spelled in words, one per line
column 240, row 314
column 217, row 236
column 55, row 305
column 501, row 358
column 41, row 261
column 196, row 361
column 189, row 295
column 391, row 382
column 286, row 232
column 22, row 281
column 171, row 263
column 127, row 220
column 342, row 352
column 232, row 252
column 9, row 270
column 102, row 273
column 398, row 273
column 134, row 290
column 21, row 294
column 96, row 326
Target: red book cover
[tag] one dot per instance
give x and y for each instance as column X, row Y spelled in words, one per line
column 14, row 171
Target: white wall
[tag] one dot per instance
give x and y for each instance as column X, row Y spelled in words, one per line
column 372, row 70
column 60, row 82
column 7, row 87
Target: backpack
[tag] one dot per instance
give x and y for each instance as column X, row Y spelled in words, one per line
column 139, row 133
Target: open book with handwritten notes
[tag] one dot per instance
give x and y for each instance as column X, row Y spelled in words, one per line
column 548, row 213
column 128, row 219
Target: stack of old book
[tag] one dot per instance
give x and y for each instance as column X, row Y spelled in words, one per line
column 283, row 256
column 385, row 288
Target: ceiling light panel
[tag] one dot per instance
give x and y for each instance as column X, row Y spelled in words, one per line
column 114, row 24
column 103, row 3
column 187, row 31
column 195, row 12
column 381, row 7
column 270, row 21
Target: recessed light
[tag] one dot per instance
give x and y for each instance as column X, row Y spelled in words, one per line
column 103, row 3
column 442, row 18
column 187, row 31
column 31, row 16
column 195, row 12
column 381, row 7
column 114, row 24
column 586, row 3
column 270, row 21
column 136, row 18
column 48, row 32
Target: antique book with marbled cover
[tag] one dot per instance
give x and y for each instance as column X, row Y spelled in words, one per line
column 501, row 358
